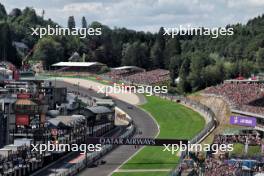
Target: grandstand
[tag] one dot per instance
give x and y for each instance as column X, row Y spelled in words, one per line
column 244, row 98
column 152, row 77
column 119, row 73
column 136, row 75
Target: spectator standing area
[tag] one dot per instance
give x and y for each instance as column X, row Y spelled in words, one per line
column 136, row 75
column 120, row 73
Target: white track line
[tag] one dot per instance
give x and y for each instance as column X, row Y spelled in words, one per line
column 116, row 170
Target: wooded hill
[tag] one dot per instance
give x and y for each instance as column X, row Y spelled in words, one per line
column 200, row 61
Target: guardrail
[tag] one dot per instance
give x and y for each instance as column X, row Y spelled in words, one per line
column 202, row 109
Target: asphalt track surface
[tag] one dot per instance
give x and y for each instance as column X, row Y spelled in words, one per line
column 143, row 121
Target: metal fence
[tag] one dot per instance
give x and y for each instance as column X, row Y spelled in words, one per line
column 207, row 113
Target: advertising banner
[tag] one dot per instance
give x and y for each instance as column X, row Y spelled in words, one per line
column 22, row 120
column 243, row 121
column 23, row 96
column 135, row 141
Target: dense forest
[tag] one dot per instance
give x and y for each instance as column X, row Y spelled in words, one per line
column 199, row 61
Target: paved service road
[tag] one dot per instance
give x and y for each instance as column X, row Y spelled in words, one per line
column 143, row 122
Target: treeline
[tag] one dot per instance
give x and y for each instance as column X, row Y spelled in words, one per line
column 197, row 61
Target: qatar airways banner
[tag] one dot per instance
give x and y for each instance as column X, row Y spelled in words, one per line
column 135, row 141
column 243, row 121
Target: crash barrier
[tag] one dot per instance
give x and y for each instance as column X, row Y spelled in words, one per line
column 91, row 158
column 207, row 113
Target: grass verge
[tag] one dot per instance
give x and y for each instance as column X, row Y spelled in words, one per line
column 176, row 121
column 239, row 150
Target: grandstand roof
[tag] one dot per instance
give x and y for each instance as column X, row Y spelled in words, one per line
column 99, row 109
column 63, row 121
column 128, row 67
column 77, row 64
column 25, row 102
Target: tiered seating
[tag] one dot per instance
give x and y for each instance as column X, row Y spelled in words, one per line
column 149, row 77
column 244, row 96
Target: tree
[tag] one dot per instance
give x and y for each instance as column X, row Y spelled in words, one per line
column 29, row 16
column 104, row 54
column 238, row 54
column 213, row 74
column 135, row 54
column 16, row 12
column 156, row 56
column 2, row 12
column 184, row 85
column 49, row 51
column 156, row 53
column 260, row 59
column 174, row 66
column 84, row 22
column 198, row 62
column 71, row 22
column 7, row 51
column 127, row 54
column 160, row 38
column 172, row 48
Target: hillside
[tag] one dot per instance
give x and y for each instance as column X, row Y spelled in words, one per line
column 199, row 61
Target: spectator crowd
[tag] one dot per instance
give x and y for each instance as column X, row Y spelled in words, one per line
column 223, row 164
column 117, row 74
column 251, row 139
column 140, row 77
column 243, row 96
column 217, row 167
column 150, row 77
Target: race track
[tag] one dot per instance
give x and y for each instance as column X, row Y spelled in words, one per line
column 143, row 121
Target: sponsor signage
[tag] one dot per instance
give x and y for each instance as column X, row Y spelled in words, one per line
column 135, row 141
column 23, row 96
column 22, row 120
column 243, row 121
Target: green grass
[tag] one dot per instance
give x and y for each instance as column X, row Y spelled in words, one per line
column 176, row 122
column 152, row 157
column 240, row 148
column 141, row 173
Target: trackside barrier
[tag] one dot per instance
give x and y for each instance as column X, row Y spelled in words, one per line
column 92, row 157
column 202, row 109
